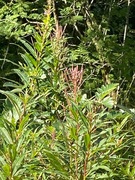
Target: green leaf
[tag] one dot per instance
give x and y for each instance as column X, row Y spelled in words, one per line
column 128, row 168
column 133, row 171
column 14, row 99
column 75, row 111
column 95, row 168
column 6, row 135
column 83, row 119
column 105, row 90
column 29, row 48
column 87, row 140
column 77, row 18
column 2, row 160
column 38, row 38
column 23, row 123
column 108, row 102
column 38, row 46
column 123, row 123
column 7, row 170
column 22, row 75
column 56, row 162
column 11, row 84
column 29, row 60
column 2, row 177
column 17, row 164
column 73, row 133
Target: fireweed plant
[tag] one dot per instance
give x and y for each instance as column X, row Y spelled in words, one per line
column 50, row 129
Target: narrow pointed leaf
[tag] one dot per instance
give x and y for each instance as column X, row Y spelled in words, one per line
column 6, row 136
column 29, row 48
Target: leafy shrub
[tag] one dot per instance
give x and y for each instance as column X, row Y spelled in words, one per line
column 51, row 129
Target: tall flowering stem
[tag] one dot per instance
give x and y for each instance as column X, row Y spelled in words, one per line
column 74, row 77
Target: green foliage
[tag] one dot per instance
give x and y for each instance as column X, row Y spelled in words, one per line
column 15, row 18
column 96, row 37
column 61, row 117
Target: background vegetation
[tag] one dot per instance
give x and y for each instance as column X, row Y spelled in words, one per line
column 67, row 89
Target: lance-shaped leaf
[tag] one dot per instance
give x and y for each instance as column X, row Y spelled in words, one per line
column 14, row 99
column 6, row 135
